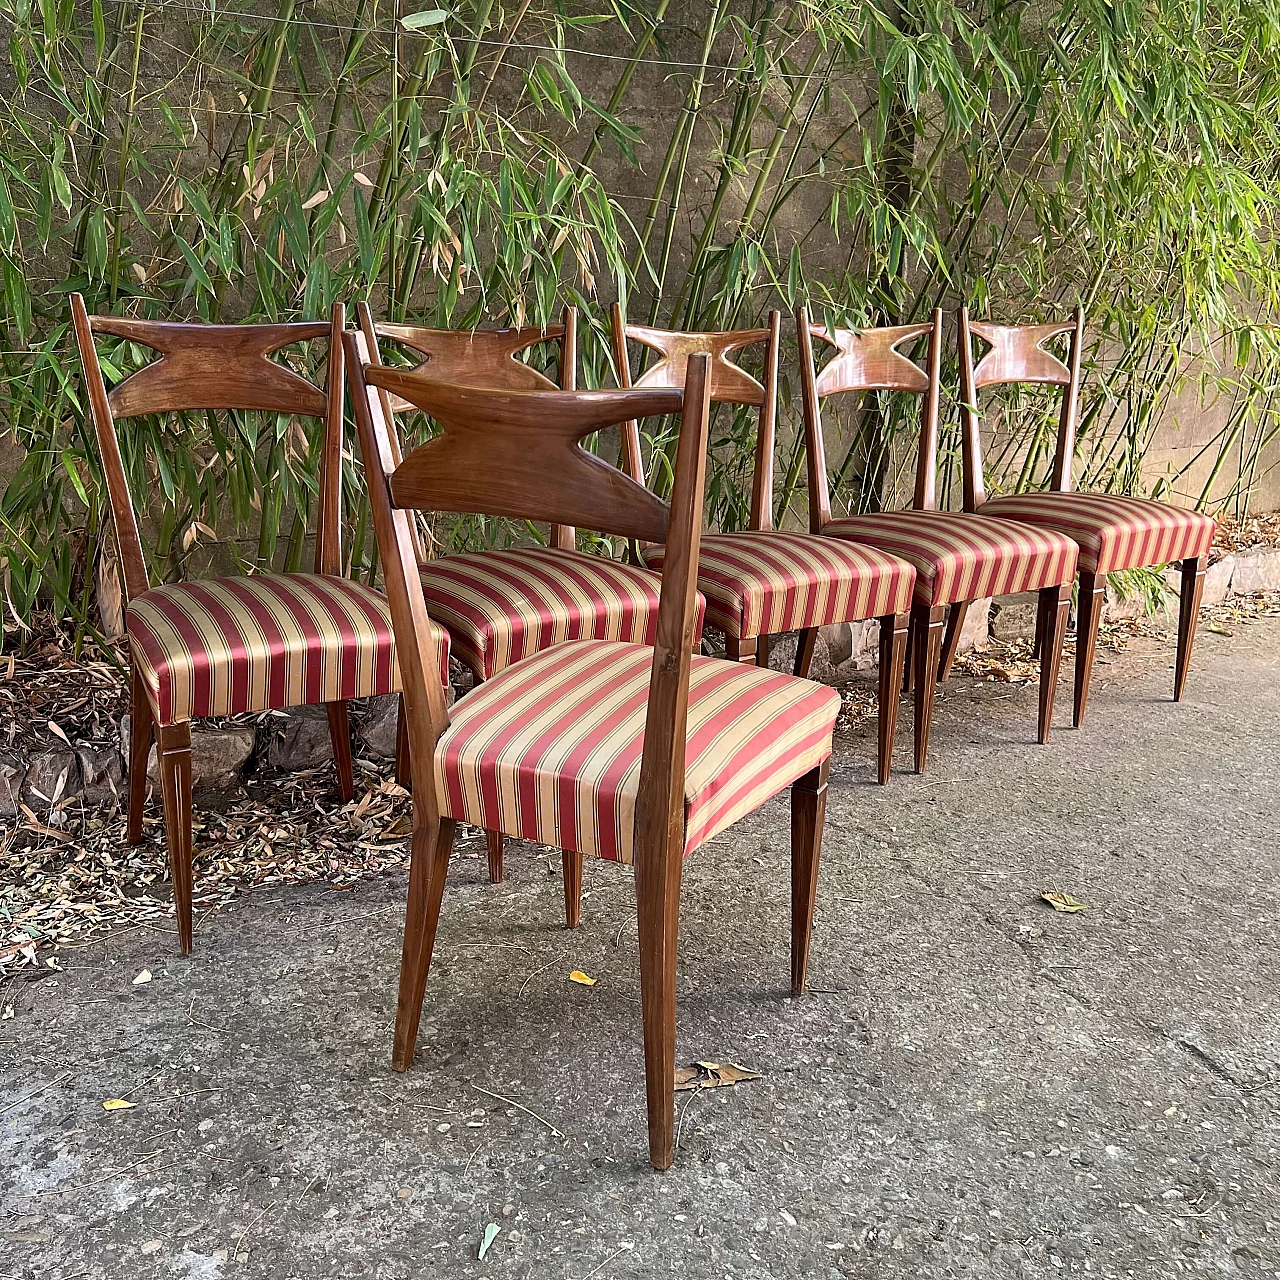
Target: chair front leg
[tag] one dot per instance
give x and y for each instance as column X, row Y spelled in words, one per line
column 808, row 814
column 658, row 918
column 1089, row 598
column 740, row 650
column 1051, row 623
column 951, row 640
column 572, row 865
column 340, row 737
column 1188, row 615
column 429, row 862
column 762, row 651
column 140, row 725
column 174, row 752
column 404, row 770
column 806, row 642
column 893, row 659
column 926, row 644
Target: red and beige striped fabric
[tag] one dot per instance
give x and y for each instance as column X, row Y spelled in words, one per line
column 1113, row 532
column 549, row 750
column 502, row 606
column 762, row 583
column 965, row 557
column 227, row 645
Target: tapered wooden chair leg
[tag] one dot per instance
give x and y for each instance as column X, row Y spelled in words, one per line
column 1188, row 615
column 1055, row 603
column 926, row 640
column 340, row 736
column 806, row 642
column 658, row 913
column 139, row 750
column 743, row 650
column 493, row 842
column 428, row 867
column 762, row 651
column 572, row 863
column 404, row 771
column 893, row 656
column 808, row 813
column 174, row 754
column 1089, row 599
column 951, row 639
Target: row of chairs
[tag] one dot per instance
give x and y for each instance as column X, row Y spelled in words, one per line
column 604, row 746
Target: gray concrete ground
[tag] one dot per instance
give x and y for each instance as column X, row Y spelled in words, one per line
column 976, row 1086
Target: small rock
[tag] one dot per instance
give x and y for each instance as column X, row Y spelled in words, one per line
column 375, row 725
column 51, row 777
column 300, row 740
column 977, row 626
column 217, row 756
column 1217, row 580
column 1256, row 571
column 838, row 640
column 12, row 772
column 102, row 775
column 1014, row 617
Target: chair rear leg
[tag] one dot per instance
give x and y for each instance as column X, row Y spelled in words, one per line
column 808, row 813
column 494, row 843
column 139, row 749
column 429, row 863
column 1188, row 615
column 951, row 639
column 340, row 736
column 806, row 642
column 762, row 651
column 1089, row 598
column 893, row 657
column 1055, row 603
column 174, row 753
column 926, row 641
column 404, row 771
column 572, row 864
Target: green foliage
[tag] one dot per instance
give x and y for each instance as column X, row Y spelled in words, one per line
column 485, row 163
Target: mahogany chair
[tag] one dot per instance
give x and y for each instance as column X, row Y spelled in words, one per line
column 958, row 556
column 501, row 606
column 760, row 582
column 622, row 751
column 223, row 646
column 1113, row 532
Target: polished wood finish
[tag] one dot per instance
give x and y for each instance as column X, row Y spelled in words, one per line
column 1193, row 570
column 524, row 430
column 1090, row 597
column 571, row 863
column 207, row 367
column 808, row 814
column 736, row 650
column 926, row 650
column 806, row 642
column 493, row 847
column 1054, row 605
column 956, row 615
column 894, row 630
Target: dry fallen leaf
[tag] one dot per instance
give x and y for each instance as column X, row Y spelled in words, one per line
column 1219, row 630
column 117, row 1104
column 578, row 976
column 490, row 1235
column 142, row 978
column 1062, row 901
column 712, row 1075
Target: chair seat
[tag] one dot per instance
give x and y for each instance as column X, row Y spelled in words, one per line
column 549, row 749
column 1113, row 532
column 502, row 606
column 761, row 583
column 958, row 556
column 266, row 642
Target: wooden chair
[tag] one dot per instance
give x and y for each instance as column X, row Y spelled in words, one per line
column 228, row 645
column 759, row 581
column 958, row 556
column 500, row 606
column 1113, row 532
column 622, row 751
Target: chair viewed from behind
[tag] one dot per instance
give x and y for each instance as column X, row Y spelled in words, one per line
column 224, row 646
column 760, row 582
column 1113, row 531
column 959, row 557
column 502, row 605
column 618, row 750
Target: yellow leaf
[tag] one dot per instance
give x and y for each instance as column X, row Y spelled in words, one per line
column 117, row 1104
column 1062, row 901
column 578, row 976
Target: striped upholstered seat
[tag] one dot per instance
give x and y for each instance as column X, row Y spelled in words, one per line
column 965, row 557
column 549, row 750
column 1113, row 532
column 760, row 583
column 270, row 641
column 502, row 606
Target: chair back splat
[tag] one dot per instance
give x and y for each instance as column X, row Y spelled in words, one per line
column 211, row 367
column 868, row 360
column 730, row 384
column 1017, row 354
column 477, row 358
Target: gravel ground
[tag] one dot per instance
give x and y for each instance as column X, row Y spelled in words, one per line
column 976, row 1086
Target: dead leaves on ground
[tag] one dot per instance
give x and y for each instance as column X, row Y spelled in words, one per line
column 1060, row 901
column 712, row 1075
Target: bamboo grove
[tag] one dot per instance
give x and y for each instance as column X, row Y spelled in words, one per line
column 258, row 159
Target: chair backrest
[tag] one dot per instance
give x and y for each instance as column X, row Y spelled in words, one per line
column 518, row 453
column 730, row 384
column 477, row 358
column 1017, row 354
column 211, row 367
column 868, row 360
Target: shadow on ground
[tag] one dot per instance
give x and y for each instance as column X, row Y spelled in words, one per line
column 976, row 1086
